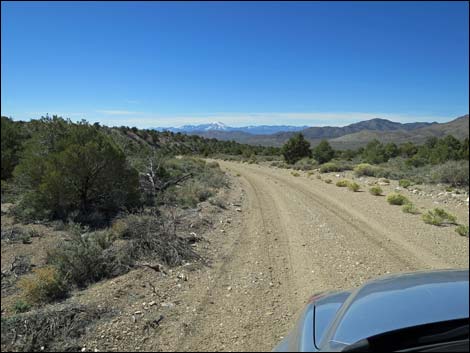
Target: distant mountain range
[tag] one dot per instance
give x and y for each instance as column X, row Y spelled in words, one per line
column 218, row 126
column 347, row 137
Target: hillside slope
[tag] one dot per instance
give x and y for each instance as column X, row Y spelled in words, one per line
column 458, row 128
column 354, row 135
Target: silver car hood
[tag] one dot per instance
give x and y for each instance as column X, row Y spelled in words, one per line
column 399, row 301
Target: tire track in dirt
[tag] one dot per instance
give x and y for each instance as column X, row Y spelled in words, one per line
column 408, row 255
column 295, row 240
column 249, row 289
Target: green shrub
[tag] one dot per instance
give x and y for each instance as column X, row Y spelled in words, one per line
column 397, row 199
column 438, row 217
column 376, row 190
column 409, row 208
column 404, row 183
column 295, row 174
column 353, row 186
column 342, row 183
column 318, row 177
column 455, row 173
column 86, row 258
column 336, row 166
column 21, row 306
column 305, row 164
column 328, row 181
column 191, row 193
column 366, row 169
column 462, row 230
column 46, row 285
column 329, row 167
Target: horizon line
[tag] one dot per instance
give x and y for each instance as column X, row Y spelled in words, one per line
column 146, row 120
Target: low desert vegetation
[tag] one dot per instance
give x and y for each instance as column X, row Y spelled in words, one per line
column 295, row 174
column 305, row 164
column 439, row 217
column 329, row 167
column 366, row 169
column 462, row 230
column 438, row 160
column 328, row 181
column 353, row 186
column 105, row 189
column 44, row 286
column 404, row 183
column 376, row 190
column 397, row 199
column 55, row 328
column 336, row 166
column 342, row 183
column 409, row 208
column 21, row 306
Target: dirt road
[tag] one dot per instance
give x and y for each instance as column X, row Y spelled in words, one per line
column 269, row 242
column 300, row 236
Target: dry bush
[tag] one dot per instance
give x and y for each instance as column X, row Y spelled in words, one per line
column 87, row 257
column 329, row 167
column 355, row 187
column 462, row 230
column 150, row 237
column 366, row 169
column 46, row 285
column 17, row 234
column 397, row 199
column 191, row 193
column 53, row 328
column 409, row 208
column 376, row 190
column 305, row 164
column 438, row 217
column 342, row 183
column 405, row 183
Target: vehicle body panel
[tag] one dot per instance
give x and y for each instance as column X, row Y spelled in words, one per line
column 379, row 306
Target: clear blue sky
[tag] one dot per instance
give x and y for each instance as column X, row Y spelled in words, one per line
column 159, row 64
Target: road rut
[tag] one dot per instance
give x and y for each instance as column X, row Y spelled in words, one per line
column 301, row 236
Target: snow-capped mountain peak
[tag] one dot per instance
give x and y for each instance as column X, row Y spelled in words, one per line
column 216, row 125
